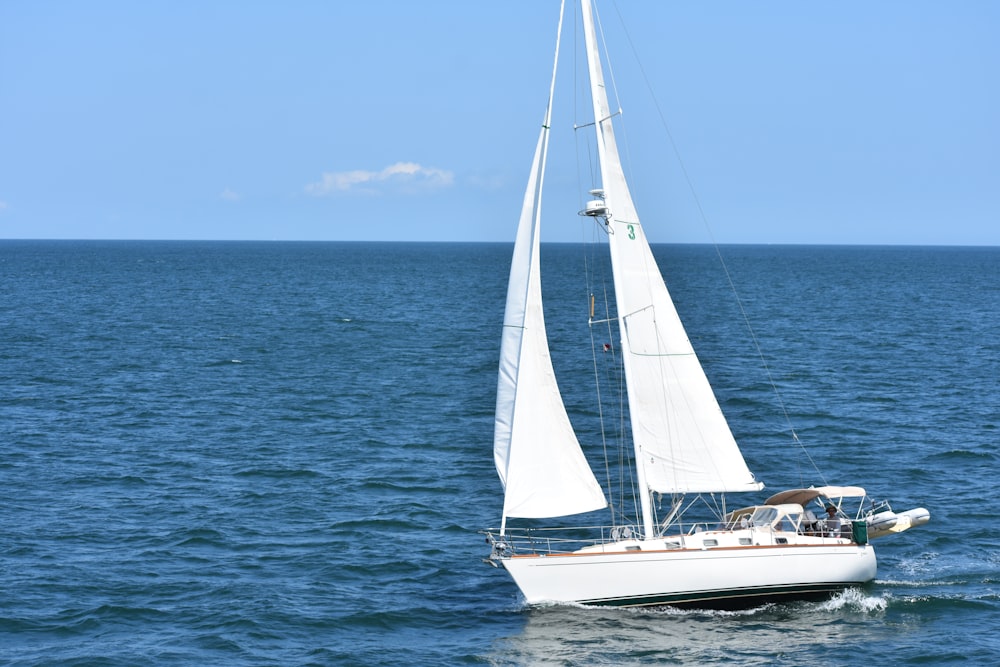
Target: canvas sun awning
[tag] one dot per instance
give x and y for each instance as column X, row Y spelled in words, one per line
column 803, row 496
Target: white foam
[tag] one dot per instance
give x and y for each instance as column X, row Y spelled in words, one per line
column 855, row 598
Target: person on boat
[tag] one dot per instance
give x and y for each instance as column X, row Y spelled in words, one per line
column 832, row 521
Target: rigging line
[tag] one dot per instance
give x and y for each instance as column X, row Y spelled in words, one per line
column 614, row 89
column 612, row 373
column 600, row 402
column 625, row 468
column 595, row 122
column 590, row 271
column 626, row 444
column 626, row 447
column 611, row 69
column 763, row 361
column 715, row 245
column 593, row 279
column 592, row 168
column 590, row 265
column 600, row 417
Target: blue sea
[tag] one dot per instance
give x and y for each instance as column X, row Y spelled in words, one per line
column 280, row 453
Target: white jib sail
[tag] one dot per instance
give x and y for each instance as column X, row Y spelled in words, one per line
column 682, row 440
column 537, row 454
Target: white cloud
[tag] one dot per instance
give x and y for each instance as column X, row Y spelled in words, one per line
column 3, row 205
column 487, row 181
column 229, row 195
column 402, row 176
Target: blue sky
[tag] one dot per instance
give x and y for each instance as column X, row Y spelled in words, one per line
column 848, row 122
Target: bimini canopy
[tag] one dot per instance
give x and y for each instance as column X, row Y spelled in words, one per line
column 803, row 496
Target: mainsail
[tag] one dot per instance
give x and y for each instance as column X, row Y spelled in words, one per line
column 537, row 454
column 682, row 441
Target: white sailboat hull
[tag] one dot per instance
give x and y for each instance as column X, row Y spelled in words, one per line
column 726, row 578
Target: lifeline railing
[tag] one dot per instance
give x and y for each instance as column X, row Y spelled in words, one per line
column 555, row 540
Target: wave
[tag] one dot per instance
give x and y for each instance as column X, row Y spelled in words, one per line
column 223, row 362
column 278, row 473
column 900, row 583
column 961, row 455
column 855, row 599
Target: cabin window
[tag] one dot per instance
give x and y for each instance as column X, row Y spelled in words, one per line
column 711, row 543
column 737, row 519
column 764, row 516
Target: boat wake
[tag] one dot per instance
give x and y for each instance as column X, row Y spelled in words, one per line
column 855, row 599
column 850, row 599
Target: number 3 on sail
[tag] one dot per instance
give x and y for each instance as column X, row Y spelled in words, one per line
column 683, row 447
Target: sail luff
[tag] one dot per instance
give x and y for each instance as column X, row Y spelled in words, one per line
column 515, row 320
column 537, row 455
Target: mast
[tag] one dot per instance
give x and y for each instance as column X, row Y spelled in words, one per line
column 602, row 115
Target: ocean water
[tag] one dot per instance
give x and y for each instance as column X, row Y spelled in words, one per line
column 280, row 453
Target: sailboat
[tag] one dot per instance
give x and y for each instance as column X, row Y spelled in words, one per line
column 683, row 448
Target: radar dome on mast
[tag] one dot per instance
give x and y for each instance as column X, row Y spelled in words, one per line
column 596, row 208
